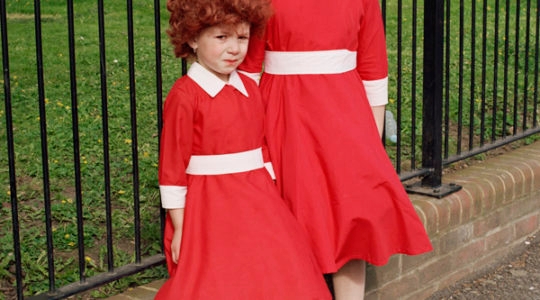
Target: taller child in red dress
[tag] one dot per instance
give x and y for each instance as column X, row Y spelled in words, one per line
column 228, row 234
column 325, row 89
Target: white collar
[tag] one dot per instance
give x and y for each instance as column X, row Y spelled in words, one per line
column 211, row 84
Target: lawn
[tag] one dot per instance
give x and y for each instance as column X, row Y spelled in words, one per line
column 56, row 98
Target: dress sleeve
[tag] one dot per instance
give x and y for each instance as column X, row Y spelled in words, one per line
column 175, row 148
column 372, row 60
column 252, row 64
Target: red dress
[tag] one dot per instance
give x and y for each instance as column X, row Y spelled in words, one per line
column 330, row 164
column 239, row 240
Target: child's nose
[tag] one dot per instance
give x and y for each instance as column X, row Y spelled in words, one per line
column 234, row 47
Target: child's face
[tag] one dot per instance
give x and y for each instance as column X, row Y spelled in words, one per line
column 220, row 49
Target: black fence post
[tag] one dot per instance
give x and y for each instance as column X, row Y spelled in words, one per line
column 432, row 159
column 11, row 153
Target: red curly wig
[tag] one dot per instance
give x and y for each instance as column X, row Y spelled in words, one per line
column 189, row 17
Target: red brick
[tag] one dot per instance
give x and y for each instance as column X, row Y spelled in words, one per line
column 522, row 175
column 490, row 259
column 429, row 211
column 471, row 185
column 530, row 165
column 468, row 253
column 396, row 289
column 491, row 222
column 497, row 188
column 386, row 273
column 472, row 209
column 412, row 262
column 509, row 189
column 455, row 238
column 422, row 293
column 509, row 171
column 455, row 208
column 432, row 272
column 456, row 275
column 467, row 209
column 527, row 225
column 534, row 165
column 500, row 238
column 522, row 207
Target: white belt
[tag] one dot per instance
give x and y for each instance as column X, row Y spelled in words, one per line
column 309, row 62
column 225, row 163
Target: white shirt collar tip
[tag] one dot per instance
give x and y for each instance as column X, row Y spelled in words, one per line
column 211, row 84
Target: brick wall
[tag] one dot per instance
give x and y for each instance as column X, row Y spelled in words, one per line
column 490, row 217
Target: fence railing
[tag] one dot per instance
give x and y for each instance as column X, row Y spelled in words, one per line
column 82, row 110
column 478, row 70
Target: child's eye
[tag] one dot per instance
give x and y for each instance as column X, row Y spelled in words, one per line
column 243, row 37
column 221, row 37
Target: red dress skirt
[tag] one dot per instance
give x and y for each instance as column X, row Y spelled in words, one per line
column 239, row 241
column 330, row 164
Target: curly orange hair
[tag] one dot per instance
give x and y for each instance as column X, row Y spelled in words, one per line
column 189, row 17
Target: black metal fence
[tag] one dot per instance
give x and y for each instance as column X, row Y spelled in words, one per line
column 477, row 64
column 83, row 87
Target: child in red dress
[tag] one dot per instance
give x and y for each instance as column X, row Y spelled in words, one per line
column 228, row 234
column 325, row 88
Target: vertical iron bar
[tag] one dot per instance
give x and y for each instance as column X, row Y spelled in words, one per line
column 383, row 9
column 414, row 60
column 447, row 80
column 536, row 57
column 516, row 70
column 75, row 131
column 134, row 143
column 473, row 75
column 432, row 100
column 184, row 66
column 399, row 81
column 495, row 72
column 105, row 129
column 44, row 145
column 159, row 75
column 506, row 67
column 159, row 92
column 526, row 58
column 484, row 74
column 11, row 153
column 460, row 78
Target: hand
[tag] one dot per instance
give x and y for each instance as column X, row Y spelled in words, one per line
column 176, row 244
column 378, row 114
column 177, row 218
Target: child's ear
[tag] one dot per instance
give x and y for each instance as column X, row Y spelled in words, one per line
column 193, row 44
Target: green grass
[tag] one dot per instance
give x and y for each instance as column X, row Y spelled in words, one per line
column 58, row 106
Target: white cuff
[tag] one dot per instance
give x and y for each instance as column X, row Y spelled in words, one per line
column 377, row 91
column 173, row 196
column 270, row 170
column 254, row 76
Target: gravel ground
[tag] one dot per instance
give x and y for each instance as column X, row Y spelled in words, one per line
column 515, row 278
